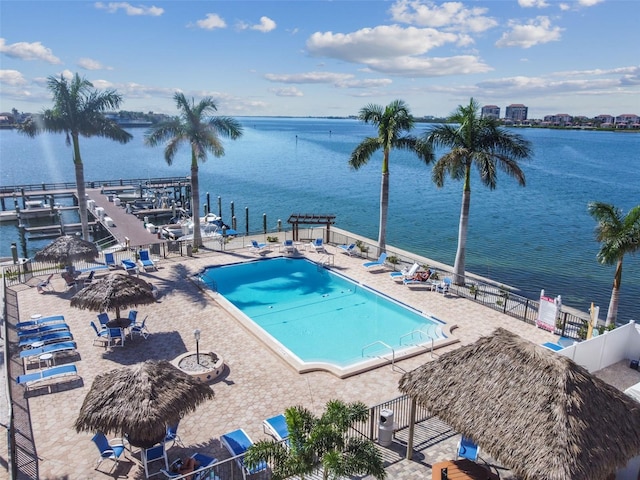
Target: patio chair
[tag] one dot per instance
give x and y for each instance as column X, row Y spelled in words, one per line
column 406, row 272
column 237, row 443
column 40, row 321
column 276, row 427
column 45, row 285
column 89, row 279
column 101, row 335
column 129, row 266
column 288, row 247
column 377, row 263
column 444, row 286
column 200, row 473
column 140, row 329
column 103, row 318
column 157, row 453
column 172, row 435
column 109, row 260
column 145, row 261
column 349, row 249
column 467, row 449
column 318, row 245
column 258, row 247
column 29, row 380
column 70, row 280
column 115, row 336
column 109, row 449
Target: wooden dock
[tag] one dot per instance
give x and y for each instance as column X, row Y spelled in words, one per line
column 126, row 228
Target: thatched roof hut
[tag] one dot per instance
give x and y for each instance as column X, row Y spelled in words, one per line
column 536, row 412
column 67, row 249
column 140, row 401
column 113, row 292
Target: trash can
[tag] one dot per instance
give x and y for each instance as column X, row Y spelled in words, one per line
column 189, row 250
column 385, row 427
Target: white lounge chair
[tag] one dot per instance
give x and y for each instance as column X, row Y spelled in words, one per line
column 406, row 272
column 258, row 248
column 318, row 245
column 349, row 249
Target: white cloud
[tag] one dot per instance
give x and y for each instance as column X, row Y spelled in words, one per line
column 113, row 7
column 536, row 31
column 309, row 77
column 29, row 51
column 287, row 92
column 211, row 21
column 365, row 83
column 12, row 77
column 430, row 66
column 533, row 3
column 265, row 25
column 370, row 44
column 90, row 64
column 448, row 15
column 589, row 3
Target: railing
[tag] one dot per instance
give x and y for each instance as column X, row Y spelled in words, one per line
column 133, row 182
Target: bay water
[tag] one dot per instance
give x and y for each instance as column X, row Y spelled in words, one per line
column 537, row 237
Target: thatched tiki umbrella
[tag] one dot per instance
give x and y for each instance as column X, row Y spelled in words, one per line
column 140, row 401
column 113, row 292
column 531, row 409
column 68, row 249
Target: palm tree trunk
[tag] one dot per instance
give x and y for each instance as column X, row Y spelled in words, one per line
column 612, row 313
column 384, row 208
column 80, row 187
column 195, row 203
column 459, row 265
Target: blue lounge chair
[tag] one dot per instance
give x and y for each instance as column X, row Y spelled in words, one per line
column 53, row 348
column 39, row 331
column 350, row 249
column 377, row 263
column 29, row 380
column 47, row 338
column 258, row 247
column 318, row 245
column 276, row 427
column 145, row 261
column 36, row 322
column 237, row 443
column 109, row 260
column 406, row 272
column 419, row 278
column 467, row 449
column 129, row 265
column 288, row 246
column 552, row 346
column 40, row 321
column 108, row 449
column 203, row 472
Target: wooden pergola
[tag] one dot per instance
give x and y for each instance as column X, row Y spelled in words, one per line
column 297, row 219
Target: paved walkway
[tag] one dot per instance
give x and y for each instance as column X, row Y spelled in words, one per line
column 257, row 383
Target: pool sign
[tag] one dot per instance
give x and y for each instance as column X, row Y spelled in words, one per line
column 548, row 312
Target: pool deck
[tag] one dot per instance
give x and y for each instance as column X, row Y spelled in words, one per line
column 257, row 383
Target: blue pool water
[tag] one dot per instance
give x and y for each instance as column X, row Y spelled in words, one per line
column 316, row 314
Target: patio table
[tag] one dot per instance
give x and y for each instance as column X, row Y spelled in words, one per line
column 462, row 470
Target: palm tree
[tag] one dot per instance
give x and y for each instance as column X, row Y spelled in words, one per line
column 392, row 121
column 195, row 127
column 320, row 442
column 618, row 235
column 78, row 111
column 474, row 140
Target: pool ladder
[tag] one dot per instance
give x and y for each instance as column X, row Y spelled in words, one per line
column 325, row 260
column 380, row 342
column 432, row 333
column 211, row 284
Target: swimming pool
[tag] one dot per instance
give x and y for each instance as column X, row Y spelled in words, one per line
column 319, row 319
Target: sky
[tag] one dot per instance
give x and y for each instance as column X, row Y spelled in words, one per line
column 328, row 58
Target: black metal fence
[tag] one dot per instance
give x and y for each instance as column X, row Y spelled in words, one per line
column 133, row 182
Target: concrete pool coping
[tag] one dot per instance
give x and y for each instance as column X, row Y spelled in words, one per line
column 341, row 372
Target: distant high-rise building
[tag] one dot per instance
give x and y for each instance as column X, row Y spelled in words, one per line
column 490, row 111
column 516, row 112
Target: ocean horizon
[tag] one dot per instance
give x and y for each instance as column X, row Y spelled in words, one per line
column 532, row 238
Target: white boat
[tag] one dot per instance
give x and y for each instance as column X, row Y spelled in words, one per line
column 33, row 209
column 210, row 226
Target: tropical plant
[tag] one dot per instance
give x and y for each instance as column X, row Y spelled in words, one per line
column 320, row 442
column 474, row 141
column 392, row 122
column 195, row 127
column 77, row 111
column 618, row 235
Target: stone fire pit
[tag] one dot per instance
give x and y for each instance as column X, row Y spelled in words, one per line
column 209, row 368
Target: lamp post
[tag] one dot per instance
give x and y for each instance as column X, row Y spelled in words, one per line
column 196, row 334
